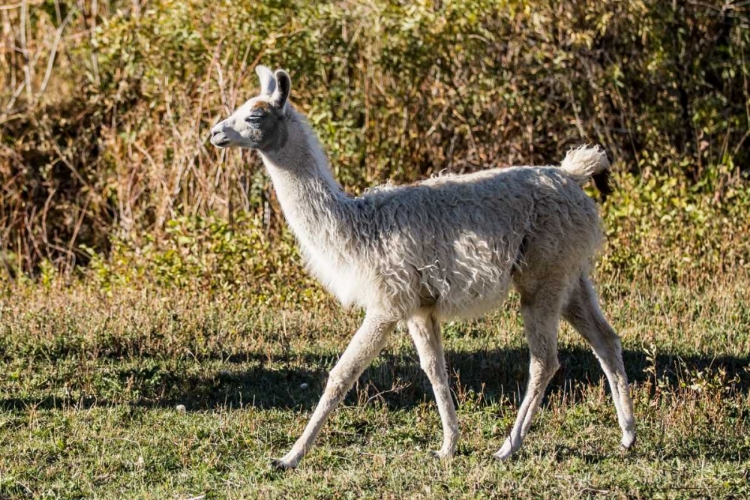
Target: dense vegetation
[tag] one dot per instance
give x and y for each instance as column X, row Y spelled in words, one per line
column 105, row 109
column 159, row 338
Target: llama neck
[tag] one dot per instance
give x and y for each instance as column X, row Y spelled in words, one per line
column 313, row 202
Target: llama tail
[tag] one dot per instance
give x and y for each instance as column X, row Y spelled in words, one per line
column 587, row 162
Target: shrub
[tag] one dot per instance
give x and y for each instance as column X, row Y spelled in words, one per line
column 113, row 150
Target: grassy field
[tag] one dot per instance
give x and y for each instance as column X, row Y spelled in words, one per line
column 91, row 387
column 135, row 359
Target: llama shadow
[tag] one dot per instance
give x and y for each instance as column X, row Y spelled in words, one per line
column 499, row 373
column 397, row 381
column 296, row 381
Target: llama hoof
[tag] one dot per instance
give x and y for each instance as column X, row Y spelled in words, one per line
column 628, row 441
column 281, row 464
column 505, row 452
column 441, row 455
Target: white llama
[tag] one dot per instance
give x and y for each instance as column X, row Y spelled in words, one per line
column 449, row 246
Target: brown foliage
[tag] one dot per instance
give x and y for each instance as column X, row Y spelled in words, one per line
column 105, row 106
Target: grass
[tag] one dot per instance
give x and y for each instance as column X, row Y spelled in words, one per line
column 90, row 386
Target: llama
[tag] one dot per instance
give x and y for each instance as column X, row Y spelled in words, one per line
column 447, row 247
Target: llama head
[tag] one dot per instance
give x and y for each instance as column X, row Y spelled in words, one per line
column 261, row 122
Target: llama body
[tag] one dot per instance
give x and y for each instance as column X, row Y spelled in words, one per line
column 424, row 244
column 449, row 246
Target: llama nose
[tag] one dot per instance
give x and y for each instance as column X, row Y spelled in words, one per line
column 217, row 128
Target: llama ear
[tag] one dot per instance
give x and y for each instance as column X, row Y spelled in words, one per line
column 267, row 80
column 283, row 87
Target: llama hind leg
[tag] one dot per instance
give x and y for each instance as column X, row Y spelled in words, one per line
column 541, row 320
column 583, row 313
column 425, row 331
column 366, row 344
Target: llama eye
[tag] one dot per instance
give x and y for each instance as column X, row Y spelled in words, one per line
column 254, row 118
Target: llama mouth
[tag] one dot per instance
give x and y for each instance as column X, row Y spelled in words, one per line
column 221, row 143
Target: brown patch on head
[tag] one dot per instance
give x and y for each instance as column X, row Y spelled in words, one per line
column 265, row 106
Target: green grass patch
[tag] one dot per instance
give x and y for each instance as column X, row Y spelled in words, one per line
column 90, row 386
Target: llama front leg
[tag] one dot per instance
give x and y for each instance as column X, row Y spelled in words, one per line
column 366, row 344
column 425, row 331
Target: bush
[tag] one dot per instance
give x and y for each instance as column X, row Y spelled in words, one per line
column 114, row 149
